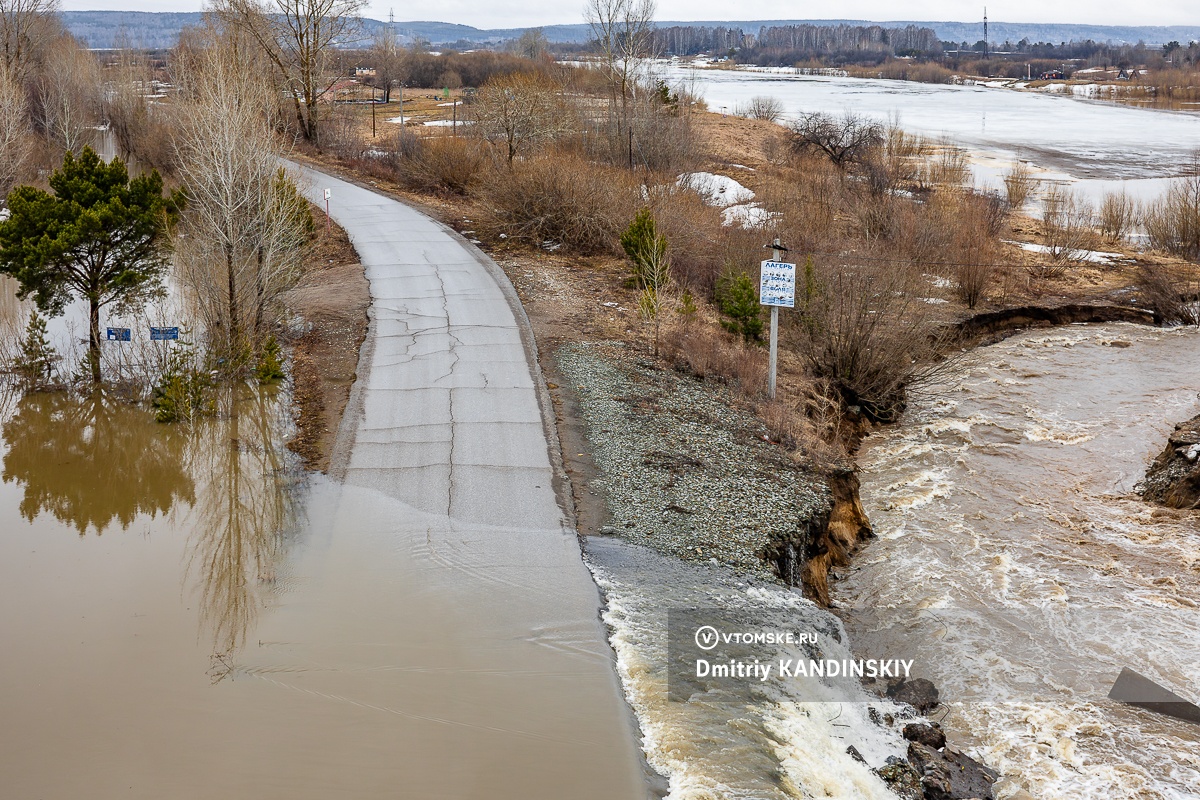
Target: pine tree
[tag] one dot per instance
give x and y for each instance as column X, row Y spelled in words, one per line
column 35, row 364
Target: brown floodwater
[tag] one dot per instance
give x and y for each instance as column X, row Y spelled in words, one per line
column 185, row 615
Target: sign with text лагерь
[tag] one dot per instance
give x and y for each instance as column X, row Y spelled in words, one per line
column 777, row 284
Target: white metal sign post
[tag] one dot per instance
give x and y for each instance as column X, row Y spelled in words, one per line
column 327, row 195
column 777, row 289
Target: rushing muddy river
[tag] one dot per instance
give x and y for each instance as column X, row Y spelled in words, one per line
column 1016, row 564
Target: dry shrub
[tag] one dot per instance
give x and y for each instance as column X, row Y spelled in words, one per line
column 438, row 163
column 707, row 352
column 1018, row 184
column 696, row 236
column 810, row 426
column 1173, row 221
column 340, row 134
column 808, row 195
column 865, row 334
column 945, row 167
column 1118, row 215
column 565, row 199
column 1066, row 228
column 1172, row 292
column 762, row 107
column 906, row 70
column 897, row 161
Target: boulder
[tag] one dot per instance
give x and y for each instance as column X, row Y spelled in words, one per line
column 900, row 777
column 928, row 735
column 950, row 774
column 920, row 693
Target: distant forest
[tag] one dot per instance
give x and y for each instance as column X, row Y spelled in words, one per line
column 156, row 30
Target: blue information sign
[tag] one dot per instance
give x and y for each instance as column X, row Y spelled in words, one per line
column 119, row 334
column 163, row 334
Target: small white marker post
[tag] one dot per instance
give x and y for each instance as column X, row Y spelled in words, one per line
column 777, row 289
column 328, row 192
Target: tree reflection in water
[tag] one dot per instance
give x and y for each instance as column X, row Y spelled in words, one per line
column 93, row 461
column 245, row 510
column 96, row 461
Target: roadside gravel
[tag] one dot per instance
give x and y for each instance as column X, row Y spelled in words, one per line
column 681, row 470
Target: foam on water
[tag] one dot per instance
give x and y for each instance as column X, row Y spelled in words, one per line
column 780, row 744
column 1033, row 575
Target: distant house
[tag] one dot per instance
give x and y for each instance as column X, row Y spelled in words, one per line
column 1052, row 75
column 364, row 72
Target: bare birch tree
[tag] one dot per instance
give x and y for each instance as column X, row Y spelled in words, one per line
column 246, row 223
column 67, row 94
column 14, row 132
column 623, row 32
column 297, row 36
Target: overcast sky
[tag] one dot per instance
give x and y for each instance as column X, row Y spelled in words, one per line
column 523, row 13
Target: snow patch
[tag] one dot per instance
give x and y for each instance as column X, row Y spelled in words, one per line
column 746, row 215
column 716, row 190
column 1094, row 256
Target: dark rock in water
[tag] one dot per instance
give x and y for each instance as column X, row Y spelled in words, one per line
column 920, row 693
column 1173, row 480
column 928, row 735
column 904, row 781
column 852, row 751
column 951, row 774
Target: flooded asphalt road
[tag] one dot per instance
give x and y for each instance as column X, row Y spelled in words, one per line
column 186, row 618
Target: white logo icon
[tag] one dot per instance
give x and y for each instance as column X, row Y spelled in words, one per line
column 707, row 637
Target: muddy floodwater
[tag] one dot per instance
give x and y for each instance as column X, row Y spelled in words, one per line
column 186, row 616
column 1015, row 562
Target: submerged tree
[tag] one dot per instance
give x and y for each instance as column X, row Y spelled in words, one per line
column 246, row 223
column 99, row 237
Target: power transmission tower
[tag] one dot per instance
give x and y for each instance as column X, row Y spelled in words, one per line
column 986, row 44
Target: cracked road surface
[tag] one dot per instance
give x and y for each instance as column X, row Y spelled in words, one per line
column 443, row 545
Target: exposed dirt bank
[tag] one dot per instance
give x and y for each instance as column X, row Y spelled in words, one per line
column 992, row 326
column 1173, row 480
column 328, row 322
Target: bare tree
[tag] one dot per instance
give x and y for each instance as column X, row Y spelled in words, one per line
column 390, row 62
column 532, row 44
column 22, row 24
column 246, row 224
column 623, row 32
column 845, row 140
column 67, row 92
column 14, row 132
column 518, row 110
column 297, row 36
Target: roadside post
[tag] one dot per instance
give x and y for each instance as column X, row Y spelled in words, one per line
column 328, row 192
column 777, row 289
